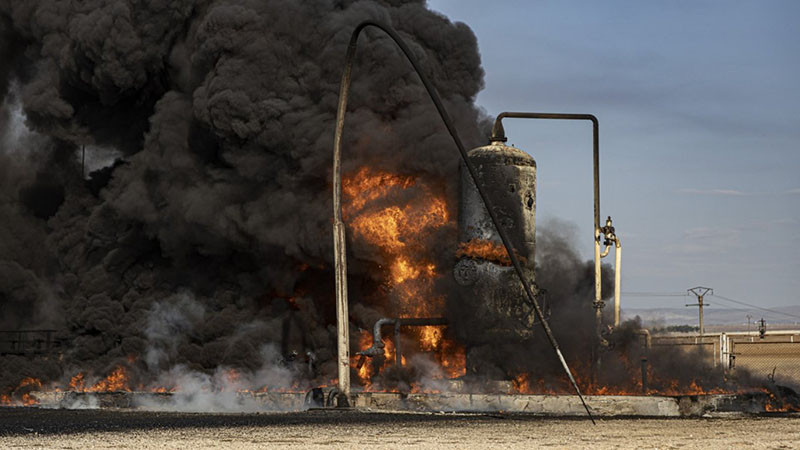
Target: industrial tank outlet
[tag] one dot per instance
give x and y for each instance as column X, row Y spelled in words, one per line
column 490, row 290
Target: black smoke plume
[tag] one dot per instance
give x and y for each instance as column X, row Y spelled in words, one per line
column 201, row 237
column 217, row 215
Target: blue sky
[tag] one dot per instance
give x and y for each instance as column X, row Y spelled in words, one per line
column 699, row 108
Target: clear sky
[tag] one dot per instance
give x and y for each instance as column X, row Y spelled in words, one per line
column 699, row 109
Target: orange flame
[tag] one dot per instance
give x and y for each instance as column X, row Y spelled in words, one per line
column 364, row 372
column 116, row 381
column 21, row 395
column 485, row 249
column 384, row 214
column 76, row 383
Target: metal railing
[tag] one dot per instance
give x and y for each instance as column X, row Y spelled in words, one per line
column 28, row 342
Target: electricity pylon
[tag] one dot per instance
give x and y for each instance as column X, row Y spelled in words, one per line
column 699, row 292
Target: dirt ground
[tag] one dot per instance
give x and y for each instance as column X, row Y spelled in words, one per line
column 59, row 429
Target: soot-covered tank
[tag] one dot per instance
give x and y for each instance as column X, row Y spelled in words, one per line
column 490, row 290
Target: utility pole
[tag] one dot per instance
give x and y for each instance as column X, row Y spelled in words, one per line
column 699, row 292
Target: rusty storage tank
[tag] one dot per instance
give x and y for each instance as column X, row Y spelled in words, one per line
column 490, row 290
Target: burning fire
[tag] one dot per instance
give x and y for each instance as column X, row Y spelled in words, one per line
column 397, row 214
column 116, row 381
column 21, row 395
column 487, row 250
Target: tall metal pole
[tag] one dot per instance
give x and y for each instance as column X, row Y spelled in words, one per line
column 699, row 292
column 339, row 241
column 340, row 260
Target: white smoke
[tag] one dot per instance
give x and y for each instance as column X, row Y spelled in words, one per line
column 173, row 321
column 168, row 323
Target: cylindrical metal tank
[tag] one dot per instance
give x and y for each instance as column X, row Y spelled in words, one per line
column 490, row 288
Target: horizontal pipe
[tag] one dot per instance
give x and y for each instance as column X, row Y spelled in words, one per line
column 499, row 134
column 377, row 336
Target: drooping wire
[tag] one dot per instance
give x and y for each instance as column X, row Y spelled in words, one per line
column 755, row 306
column 654, row 294
column 720, row 297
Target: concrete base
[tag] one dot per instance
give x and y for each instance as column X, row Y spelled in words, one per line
column 244, row 401
column 550, row 405
column 546, row 405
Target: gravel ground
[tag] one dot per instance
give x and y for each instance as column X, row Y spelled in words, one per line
column 21, row 428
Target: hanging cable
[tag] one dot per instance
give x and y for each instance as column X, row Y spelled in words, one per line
column 754, row 306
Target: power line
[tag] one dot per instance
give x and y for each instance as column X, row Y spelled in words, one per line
column 677, row 294
column 754, row 306
column 654, row 294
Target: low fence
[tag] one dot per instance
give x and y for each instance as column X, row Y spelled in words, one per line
column 776, row 356
column 29, row 342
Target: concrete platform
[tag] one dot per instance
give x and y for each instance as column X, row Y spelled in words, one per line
column 543, row 405
column 550, row 405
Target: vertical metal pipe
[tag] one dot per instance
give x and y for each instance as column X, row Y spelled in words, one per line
column 617, row 279
column 398, row 351
column 644, row 375
column 598, row 276
column 339, row 242
column 598, row 285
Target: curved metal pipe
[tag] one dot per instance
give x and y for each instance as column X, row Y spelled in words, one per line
column 377, row 339
column 377, row 346
column 338, row 226
column 499, row 134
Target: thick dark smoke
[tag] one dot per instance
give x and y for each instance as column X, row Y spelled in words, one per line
column 567, row 286
column 223, row 112
column 207, row 245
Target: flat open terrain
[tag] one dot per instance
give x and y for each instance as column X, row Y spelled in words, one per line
column 22, row 428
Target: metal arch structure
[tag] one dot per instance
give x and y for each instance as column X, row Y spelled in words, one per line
column 340, row 258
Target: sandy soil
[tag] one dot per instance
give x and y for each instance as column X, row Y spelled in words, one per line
column 81, row 429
